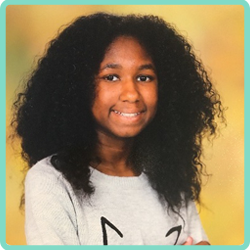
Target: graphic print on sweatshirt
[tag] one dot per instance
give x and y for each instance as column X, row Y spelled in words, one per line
column 109, row 229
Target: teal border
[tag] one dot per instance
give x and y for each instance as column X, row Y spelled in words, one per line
column 3, row 6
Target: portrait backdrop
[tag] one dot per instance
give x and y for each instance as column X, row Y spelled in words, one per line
column 217, row 35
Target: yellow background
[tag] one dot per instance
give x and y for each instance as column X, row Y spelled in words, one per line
column 217, row 34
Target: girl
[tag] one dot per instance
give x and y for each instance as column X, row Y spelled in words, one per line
column 111, row 123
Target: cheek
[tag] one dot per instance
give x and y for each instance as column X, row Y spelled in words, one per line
column 106, row 93
column 100, row 97
column 98, row 105
column 151, row 98
column 102, row 102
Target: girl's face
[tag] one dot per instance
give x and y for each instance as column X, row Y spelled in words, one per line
column 126, row 89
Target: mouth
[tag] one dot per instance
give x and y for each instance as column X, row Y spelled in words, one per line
column 131, row 114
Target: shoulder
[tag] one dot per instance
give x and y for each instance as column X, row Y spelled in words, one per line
column 188, row 209
column 43, row 178
column 51, row 207
column 43, row 166
column 191, row 209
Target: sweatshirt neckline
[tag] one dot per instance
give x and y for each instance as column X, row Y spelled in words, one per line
column 131, row 182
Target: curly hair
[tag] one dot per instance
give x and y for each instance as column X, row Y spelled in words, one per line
column 53, row 113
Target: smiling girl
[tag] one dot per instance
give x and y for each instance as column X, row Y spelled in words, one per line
column 111, row 123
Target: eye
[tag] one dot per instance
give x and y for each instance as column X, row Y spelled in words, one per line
column 144, row 78
column 111, row 78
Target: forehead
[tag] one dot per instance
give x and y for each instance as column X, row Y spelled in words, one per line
column 126, row 47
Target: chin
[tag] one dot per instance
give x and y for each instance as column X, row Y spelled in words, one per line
column 128, row 134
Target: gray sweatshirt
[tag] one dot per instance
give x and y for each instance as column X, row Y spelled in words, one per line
column 122, row 211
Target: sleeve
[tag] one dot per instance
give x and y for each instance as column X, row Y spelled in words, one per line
column 50, row 217
column 195, row 229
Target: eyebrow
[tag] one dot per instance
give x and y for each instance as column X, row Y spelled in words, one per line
column 147, row 66
column 118, row 66
column 111, row 66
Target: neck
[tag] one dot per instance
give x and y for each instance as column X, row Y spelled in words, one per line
column 113, row 154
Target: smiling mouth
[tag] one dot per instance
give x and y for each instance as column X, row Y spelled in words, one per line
column 127, row 114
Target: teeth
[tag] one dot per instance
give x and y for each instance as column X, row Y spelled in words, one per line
column 130, row 115
column 127, row 114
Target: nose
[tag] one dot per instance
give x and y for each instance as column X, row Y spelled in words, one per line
column 130, row 92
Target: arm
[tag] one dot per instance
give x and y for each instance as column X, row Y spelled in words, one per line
column 195, row 229
column 49, row 213
column 190, row 242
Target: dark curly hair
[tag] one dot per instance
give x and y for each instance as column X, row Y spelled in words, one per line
column 53, row 113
